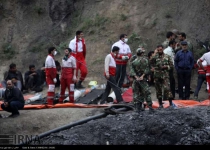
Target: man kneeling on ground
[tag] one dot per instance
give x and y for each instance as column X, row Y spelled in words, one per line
column 13, row 100
column 32, row 80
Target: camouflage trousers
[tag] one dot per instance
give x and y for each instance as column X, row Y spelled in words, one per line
column 163, row 85
column 141, row 91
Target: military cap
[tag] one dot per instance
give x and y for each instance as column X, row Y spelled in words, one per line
column 140, row 50
column 184, row 43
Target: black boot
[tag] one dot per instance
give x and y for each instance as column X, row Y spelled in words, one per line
column 160, row 103
column 138, row 107
column 151, row 110
column 79, row 85
column 171, row 104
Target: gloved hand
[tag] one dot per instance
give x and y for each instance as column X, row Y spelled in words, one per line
column 125, row 57
column 55, row 80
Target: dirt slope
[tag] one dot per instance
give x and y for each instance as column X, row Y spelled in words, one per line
column 28, row 28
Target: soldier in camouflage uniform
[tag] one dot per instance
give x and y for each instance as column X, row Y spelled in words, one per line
column 141, row 90
column 162, row 63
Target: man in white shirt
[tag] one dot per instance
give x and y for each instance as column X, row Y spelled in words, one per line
column 206, row 57
column 109, row 73
column 170, row 51
column 122, row 59
column 78, row 47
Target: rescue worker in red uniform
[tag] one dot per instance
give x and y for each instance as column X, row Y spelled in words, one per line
column 78, row 47
column 51, row 73
column 68, row 75
column 206, row 57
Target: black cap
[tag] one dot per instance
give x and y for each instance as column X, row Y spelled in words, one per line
column 184, row 43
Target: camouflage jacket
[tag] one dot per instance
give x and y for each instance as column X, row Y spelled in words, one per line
column 140, row 66
column 158, row 61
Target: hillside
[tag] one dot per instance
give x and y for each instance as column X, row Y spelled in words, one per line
column 28, row 28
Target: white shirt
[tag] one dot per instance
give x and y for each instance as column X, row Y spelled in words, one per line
column 109, row 62
column 70, row 63
column 206, row 57
column 124, row 48
column 169, row 51
column 50, row 62
column 72, row 45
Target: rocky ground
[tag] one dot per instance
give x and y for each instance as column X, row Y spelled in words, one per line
column 188, row 126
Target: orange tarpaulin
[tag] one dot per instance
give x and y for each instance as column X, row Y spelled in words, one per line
column 127, row 96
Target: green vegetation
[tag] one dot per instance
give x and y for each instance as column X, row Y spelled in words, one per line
column 199, row 52
column 61, row 47
column 8, row 50
column 98, row 21
column 39, row 10
column 135, row 41
column 98, row 61
column 123, row 17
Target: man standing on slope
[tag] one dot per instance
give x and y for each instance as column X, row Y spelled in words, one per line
column 51, row 73
column 122, row 59
column 78, row 47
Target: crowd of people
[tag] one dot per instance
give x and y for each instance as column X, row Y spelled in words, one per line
column 168, row 67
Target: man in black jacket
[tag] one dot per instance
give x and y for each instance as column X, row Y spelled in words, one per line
column 14, row 75
column 32, row 80
column 13, row 100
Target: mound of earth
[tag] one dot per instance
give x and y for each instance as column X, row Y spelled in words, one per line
column 186, row 126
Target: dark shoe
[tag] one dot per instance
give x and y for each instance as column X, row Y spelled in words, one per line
column 160, row 107
column 173, row 106
column 138, row 107
column 151, row 110
column 79, row 85
column 160, row 101
column 13, row 115
column 101, row 102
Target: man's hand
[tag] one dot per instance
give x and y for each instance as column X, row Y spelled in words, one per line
column 55, row 80
column 14, row 80
column 107, row 77
column 152, row 69
column 149, row 78
column 125, row 57
column 6, row 104
column 33, row 74
column 74, row 78
column 164, row 67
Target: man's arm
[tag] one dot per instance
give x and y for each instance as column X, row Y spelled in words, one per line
column 26, row 76
column 15, row 95
column 106, row 65
column 74, row 66
column 201, row 60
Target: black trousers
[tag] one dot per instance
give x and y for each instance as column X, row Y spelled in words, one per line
column 111, row 84
column 13, row 107
column 172, row 82
column 120, row 74
column 184, row 78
